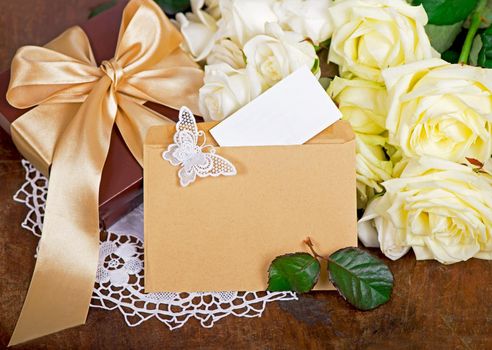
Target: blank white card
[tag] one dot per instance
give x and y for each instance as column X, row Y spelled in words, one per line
column 290, row 113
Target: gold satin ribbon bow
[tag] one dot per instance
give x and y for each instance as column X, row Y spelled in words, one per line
column 70, row 129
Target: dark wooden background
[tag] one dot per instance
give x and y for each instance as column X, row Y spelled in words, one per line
column 433, row 306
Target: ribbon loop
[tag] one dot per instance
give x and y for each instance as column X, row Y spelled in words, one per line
column 113, row 70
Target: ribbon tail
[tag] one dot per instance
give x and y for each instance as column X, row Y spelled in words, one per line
column 133, row 122
column 63, row 279
column 36, row 135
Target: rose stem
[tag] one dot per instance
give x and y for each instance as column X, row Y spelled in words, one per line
column 310, row 244
column 476, row 19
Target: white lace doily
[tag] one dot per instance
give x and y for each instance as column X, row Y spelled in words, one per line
column 119, row 279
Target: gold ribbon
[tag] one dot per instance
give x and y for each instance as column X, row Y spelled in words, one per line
column 70, row 129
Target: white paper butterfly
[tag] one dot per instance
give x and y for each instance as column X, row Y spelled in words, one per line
column 186, row 151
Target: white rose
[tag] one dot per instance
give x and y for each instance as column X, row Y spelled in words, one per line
column 276, row 55
column 370, row 35
column 440, row 110
column 375, row 232
column 441, row 209
column 212, row 8
column 227, row 51
column 372, row 166
column 396, row 156
column 243, row 19
column 225, row 90
column 198, row 29
column 310, row 18
column 364, row 104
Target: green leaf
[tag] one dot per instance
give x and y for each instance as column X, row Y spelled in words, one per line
column 451, row 56
column 444, row 12
column 362, row 279
column 172, row 7
column 485, row 54
column 101, row 8
column 442, row 37
column 297, row 272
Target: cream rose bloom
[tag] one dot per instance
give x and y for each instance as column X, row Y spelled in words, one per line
column 310, row 18
column 377, row 232
column 212, row 8
column 198, row 29
column 225, row 90
column 440, row 110
column 363, row 104
column 441, row 209
column 243, row 19
column 227, row 51
column 371, row 35
column 372, row 166
column 277, row 54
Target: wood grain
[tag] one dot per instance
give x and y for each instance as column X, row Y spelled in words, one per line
column 433, row 306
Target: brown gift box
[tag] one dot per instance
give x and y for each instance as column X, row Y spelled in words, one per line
column 121, row 183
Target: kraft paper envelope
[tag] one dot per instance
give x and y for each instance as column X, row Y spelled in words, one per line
column 221, row 233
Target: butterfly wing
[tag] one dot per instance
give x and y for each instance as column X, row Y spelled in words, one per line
column 182, row 149
column 185, row 139
column 186, row 176
column 171, row 155
column 215, row 165
column 186, row 121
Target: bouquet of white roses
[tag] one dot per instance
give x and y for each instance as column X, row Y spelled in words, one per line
column 423, row 124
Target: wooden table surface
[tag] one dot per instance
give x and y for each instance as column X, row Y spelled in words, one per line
column 433, row 306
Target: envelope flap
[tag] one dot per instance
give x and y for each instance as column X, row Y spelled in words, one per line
column 338, row 133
